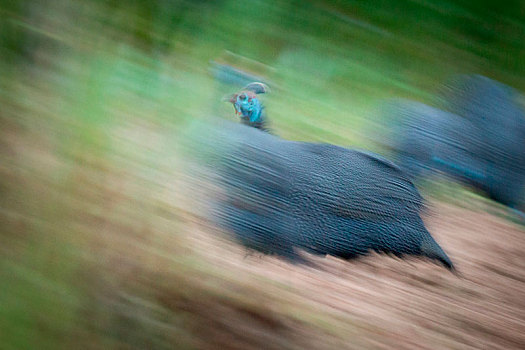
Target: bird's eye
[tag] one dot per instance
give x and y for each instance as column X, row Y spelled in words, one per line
column 242, row 96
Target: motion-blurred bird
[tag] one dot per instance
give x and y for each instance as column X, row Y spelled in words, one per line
column 280, row 195
column 478, row 139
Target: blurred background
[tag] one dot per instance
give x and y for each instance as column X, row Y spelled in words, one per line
column 100, row 246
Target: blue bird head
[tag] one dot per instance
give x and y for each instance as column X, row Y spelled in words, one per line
column 246, row 103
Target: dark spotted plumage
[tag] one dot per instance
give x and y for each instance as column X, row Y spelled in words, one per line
column 491, row 106
column 479, row 137
column 281, row 195
column 426, row 138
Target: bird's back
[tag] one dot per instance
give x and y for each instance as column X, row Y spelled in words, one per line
column 346, row 202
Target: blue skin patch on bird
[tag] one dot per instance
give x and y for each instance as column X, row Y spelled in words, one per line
column 460, row 169
column 248, row 106
column 246, row 103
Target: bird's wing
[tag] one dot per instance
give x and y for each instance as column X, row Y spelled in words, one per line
column 363, row 185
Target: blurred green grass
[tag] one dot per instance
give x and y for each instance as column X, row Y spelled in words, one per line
column 94, row 94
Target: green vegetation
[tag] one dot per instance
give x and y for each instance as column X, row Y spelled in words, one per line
column 93, row 94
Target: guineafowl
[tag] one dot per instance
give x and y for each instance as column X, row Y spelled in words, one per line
column 281, row 195
column 492, row 107
column 478, row 138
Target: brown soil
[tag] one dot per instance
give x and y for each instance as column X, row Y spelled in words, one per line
column 379, row 301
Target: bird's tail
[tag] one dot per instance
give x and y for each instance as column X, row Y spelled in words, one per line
column 432, row 250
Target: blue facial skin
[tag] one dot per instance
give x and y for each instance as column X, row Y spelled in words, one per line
column 250, row 108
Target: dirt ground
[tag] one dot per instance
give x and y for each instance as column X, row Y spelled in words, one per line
column 386, row 303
